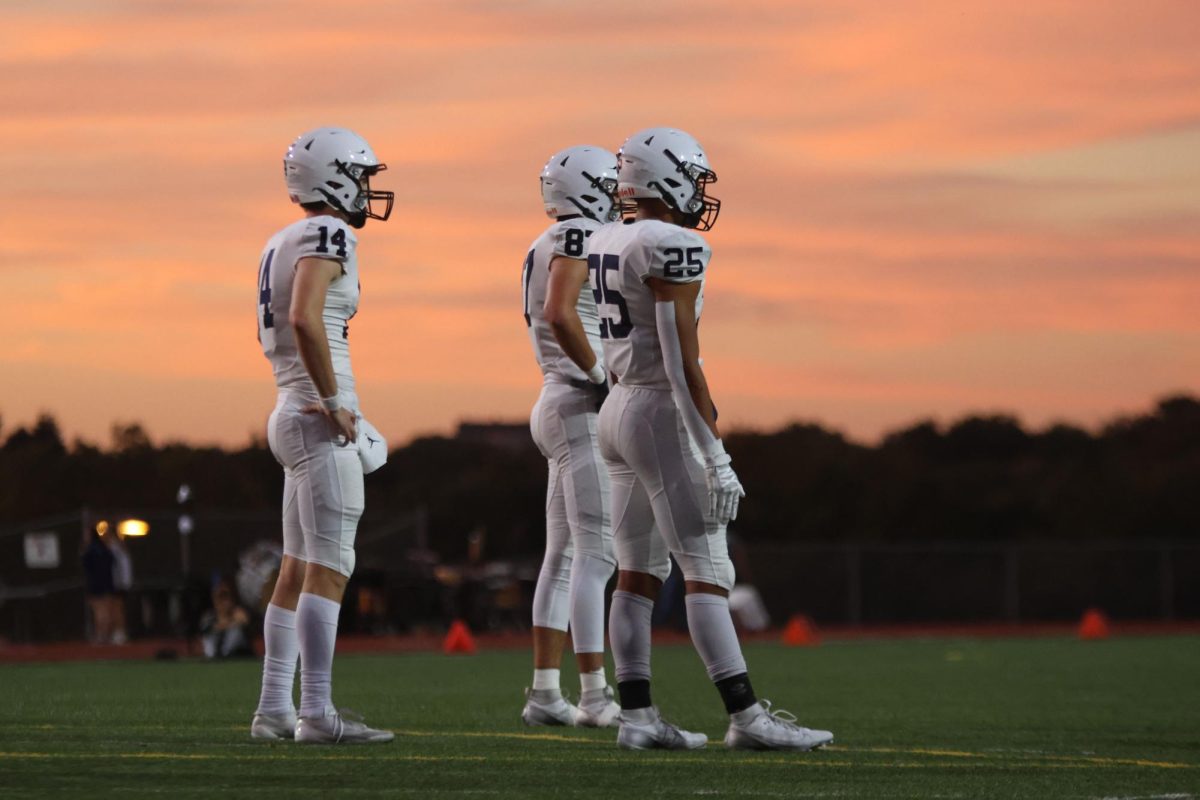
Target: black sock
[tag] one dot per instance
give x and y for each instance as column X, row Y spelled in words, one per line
column 634, row 694
column 736, row 692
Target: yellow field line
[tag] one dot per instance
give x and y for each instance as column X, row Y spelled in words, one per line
column 1097, row 760
column 543, row 737
column 311, row 754
column 914, row 751
column 1028, row 760
column 769, row 760
column 917, row 751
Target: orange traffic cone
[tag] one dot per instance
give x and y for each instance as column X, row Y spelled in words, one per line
column 458, row 639
column 800, row 632
column 1094, row 625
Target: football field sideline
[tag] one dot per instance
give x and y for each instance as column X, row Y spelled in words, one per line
column 1053, row 718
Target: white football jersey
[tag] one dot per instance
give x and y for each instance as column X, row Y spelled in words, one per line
column 567, row 238
column 621, row 256
column 320, row 237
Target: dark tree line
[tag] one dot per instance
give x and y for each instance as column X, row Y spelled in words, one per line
column 982, row 478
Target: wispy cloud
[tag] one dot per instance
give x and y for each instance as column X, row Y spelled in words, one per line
column 929, row 208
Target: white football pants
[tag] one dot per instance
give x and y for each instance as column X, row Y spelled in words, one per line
column 657, row 476
column 322, row 485
column 578, row 535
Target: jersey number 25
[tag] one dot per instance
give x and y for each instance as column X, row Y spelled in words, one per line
column 614, row 312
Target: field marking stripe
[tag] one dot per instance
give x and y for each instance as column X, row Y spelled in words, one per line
column 1097, row 760
column 917, row 751
column 920, row 751
column 775, row 762
column 545, row 737
column 310, row 756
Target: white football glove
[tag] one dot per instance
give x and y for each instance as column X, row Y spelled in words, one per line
column 724, row 489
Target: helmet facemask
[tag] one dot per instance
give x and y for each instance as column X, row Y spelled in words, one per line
column 700, row 211
column 606, row 187
column 364, row 202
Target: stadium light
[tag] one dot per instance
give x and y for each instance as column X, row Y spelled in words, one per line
column 101, row 527
column 133, row 527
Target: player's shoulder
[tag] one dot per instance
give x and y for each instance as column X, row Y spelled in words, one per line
column 323, row 236
column 575, row 223
column 569, row 237
column 673, row 253
column 657, row 234
column 614, row 233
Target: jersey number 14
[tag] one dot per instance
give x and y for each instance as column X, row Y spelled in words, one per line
column 266, row 319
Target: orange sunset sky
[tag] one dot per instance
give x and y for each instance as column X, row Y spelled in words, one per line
column 930, row 208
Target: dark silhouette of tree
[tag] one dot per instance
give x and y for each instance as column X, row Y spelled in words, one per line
column 980, row 478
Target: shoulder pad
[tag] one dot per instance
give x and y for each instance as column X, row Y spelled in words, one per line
column 570, row 237
column 327, row 237
column 678, row 255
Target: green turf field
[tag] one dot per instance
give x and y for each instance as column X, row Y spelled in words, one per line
column 963, row 719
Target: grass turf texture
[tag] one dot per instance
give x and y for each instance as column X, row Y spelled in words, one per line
column 970, row 719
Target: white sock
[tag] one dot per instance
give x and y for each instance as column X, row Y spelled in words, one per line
column 713, row 634
column 316, row 628
column 544, row 679
column 589, row 577
column 279, row 664
column 629, row 633
column 593, row 681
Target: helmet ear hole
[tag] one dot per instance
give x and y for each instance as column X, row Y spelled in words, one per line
column 588, row 197
column 674, row 184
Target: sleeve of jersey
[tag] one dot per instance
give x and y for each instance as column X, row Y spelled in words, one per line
column 328, row 238
column 571, row 239
column 680, row 256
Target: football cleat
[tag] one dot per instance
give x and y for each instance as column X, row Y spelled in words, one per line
column 773, row 730
column 601, row 711
column 541, row 708
column 273, row 726
column 657, row 735
column 339, row 727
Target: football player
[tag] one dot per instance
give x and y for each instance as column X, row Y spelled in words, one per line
column 308, row 290
column 578, row 190
column 659, row 438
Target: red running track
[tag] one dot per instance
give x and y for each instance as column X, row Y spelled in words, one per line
column 432, row 642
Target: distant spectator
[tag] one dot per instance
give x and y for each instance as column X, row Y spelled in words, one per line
column 224, row 629
column 746, row 605
column 98, row 583
column 122, row 583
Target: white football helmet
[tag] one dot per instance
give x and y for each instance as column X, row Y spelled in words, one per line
column 668, row 165
column 334, row 166
column 581, row 180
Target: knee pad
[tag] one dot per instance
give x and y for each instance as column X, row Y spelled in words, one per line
column 718, row 571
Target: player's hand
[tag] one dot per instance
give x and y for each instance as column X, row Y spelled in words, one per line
column 343, row 421
column 725, row 491
column 599, row 393
column 598, row 383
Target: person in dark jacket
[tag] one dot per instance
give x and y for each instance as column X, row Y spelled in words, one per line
column 98, row 582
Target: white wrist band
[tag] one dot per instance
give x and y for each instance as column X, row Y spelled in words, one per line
column 715, row 455
column 596, row 373
column 330, row 404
